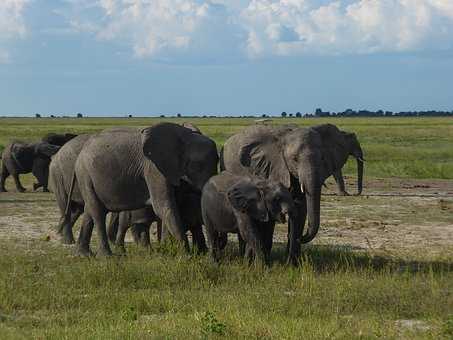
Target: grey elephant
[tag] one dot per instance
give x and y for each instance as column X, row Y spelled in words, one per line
column 246, row 206
column 188, row 202
column 291, row 156
column 127, row 169
column 61, row 170
column 21, row 158
column 58, row 139
column 337, row 147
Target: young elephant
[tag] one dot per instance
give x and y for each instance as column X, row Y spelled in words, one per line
column 187, row 200
column 247, row 206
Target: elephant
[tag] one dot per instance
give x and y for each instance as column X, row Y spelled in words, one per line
column 59, row 139
column 21, row 158
column 61, row 170
column 247, row 206
column 44, row 162
column 337, row 146
column 289, row 155
column 188, row 202
column 128, row 169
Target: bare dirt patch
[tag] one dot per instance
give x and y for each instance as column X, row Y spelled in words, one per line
column 416, row 224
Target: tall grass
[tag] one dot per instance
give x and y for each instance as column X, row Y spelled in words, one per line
column 334, row 294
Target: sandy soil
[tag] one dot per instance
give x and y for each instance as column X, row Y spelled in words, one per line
column 397, row 217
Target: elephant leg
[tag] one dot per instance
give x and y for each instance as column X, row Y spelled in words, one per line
column 213, row 242
column 338, row 175
column 295, row 231
column 267, row 233
column 4, row 175
column 198, row 240
column 223, row 240
column 165, row 207
column 97, row 211
column 141, row 234
column 19, row 186
column 242, row 245
column 83, row 242
column 66, row 225
column 159, row 230
column 123, row 227
column 112, row 228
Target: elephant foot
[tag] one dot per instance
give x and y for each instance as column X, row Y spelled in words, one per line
column 83, row 252
column 21, row 189
column 67, row 239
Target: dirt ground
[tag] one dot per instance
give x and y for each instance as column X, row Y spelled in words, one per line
column 393, row 217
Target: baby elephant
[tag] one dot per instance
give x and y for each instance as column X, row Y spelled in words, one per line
column 247, row 206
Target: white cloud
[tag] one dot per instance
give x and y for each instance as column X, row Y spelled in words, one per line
column 221, row 29
column 11, row 25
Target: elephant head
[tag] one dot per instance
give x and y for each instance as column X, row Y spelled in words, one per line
column 279, row 201
column 246, row 197
column 354, row 149
column 180, row 154
column 337, row 147
column 293, row 157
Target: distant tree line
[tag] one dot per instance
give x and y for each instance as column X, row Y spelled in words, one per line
column 379, row 113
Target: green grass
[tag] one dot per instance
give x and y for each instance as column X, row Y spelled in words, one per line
column 337, row 293
column 45, row 293
column 393, row 147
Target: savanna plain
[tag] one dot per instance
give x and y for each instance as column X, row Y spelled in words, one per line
column 380, row 267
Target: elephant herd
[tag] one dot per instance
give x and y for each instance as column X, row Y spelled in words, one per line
column 169, row 174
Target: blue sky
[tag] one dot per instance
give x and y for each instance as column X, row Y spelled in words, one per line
column 143, row 57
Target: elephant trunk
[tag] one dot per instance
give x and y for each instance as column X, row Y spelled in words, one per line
column 312, row 189
column 359, row 175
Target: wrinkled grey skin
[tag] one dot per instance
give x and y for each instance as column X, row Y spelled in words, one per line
column 58, row 139
column 337, row 147
column 188, row 202
column 247, row 206
column 291, row 156
column 21, row 158
column 126, row 169
column 61, row 170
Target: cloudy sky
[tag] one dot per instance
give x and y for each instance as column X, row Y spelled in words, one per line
column 115, row 57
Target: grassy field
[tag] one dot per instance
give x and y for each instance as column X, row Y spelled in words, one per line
column 380, row 268
column 393, row 147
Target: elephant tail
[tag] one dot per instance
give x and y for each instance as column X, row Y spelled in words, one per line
column 71, row 190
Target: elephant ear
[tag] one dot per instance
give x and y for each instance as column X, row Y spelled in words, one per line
column 237, row 197
column 164, row 145
column 265, row 158
column 46, row 149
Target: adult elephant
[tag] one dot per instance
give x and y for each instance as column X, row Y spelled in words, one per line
column 291, row 156
column 337, row 147
column 21, row 158
column 128, row 169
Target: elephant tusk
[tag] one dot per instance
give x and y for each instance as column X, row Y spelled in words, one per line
column 361, row 159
